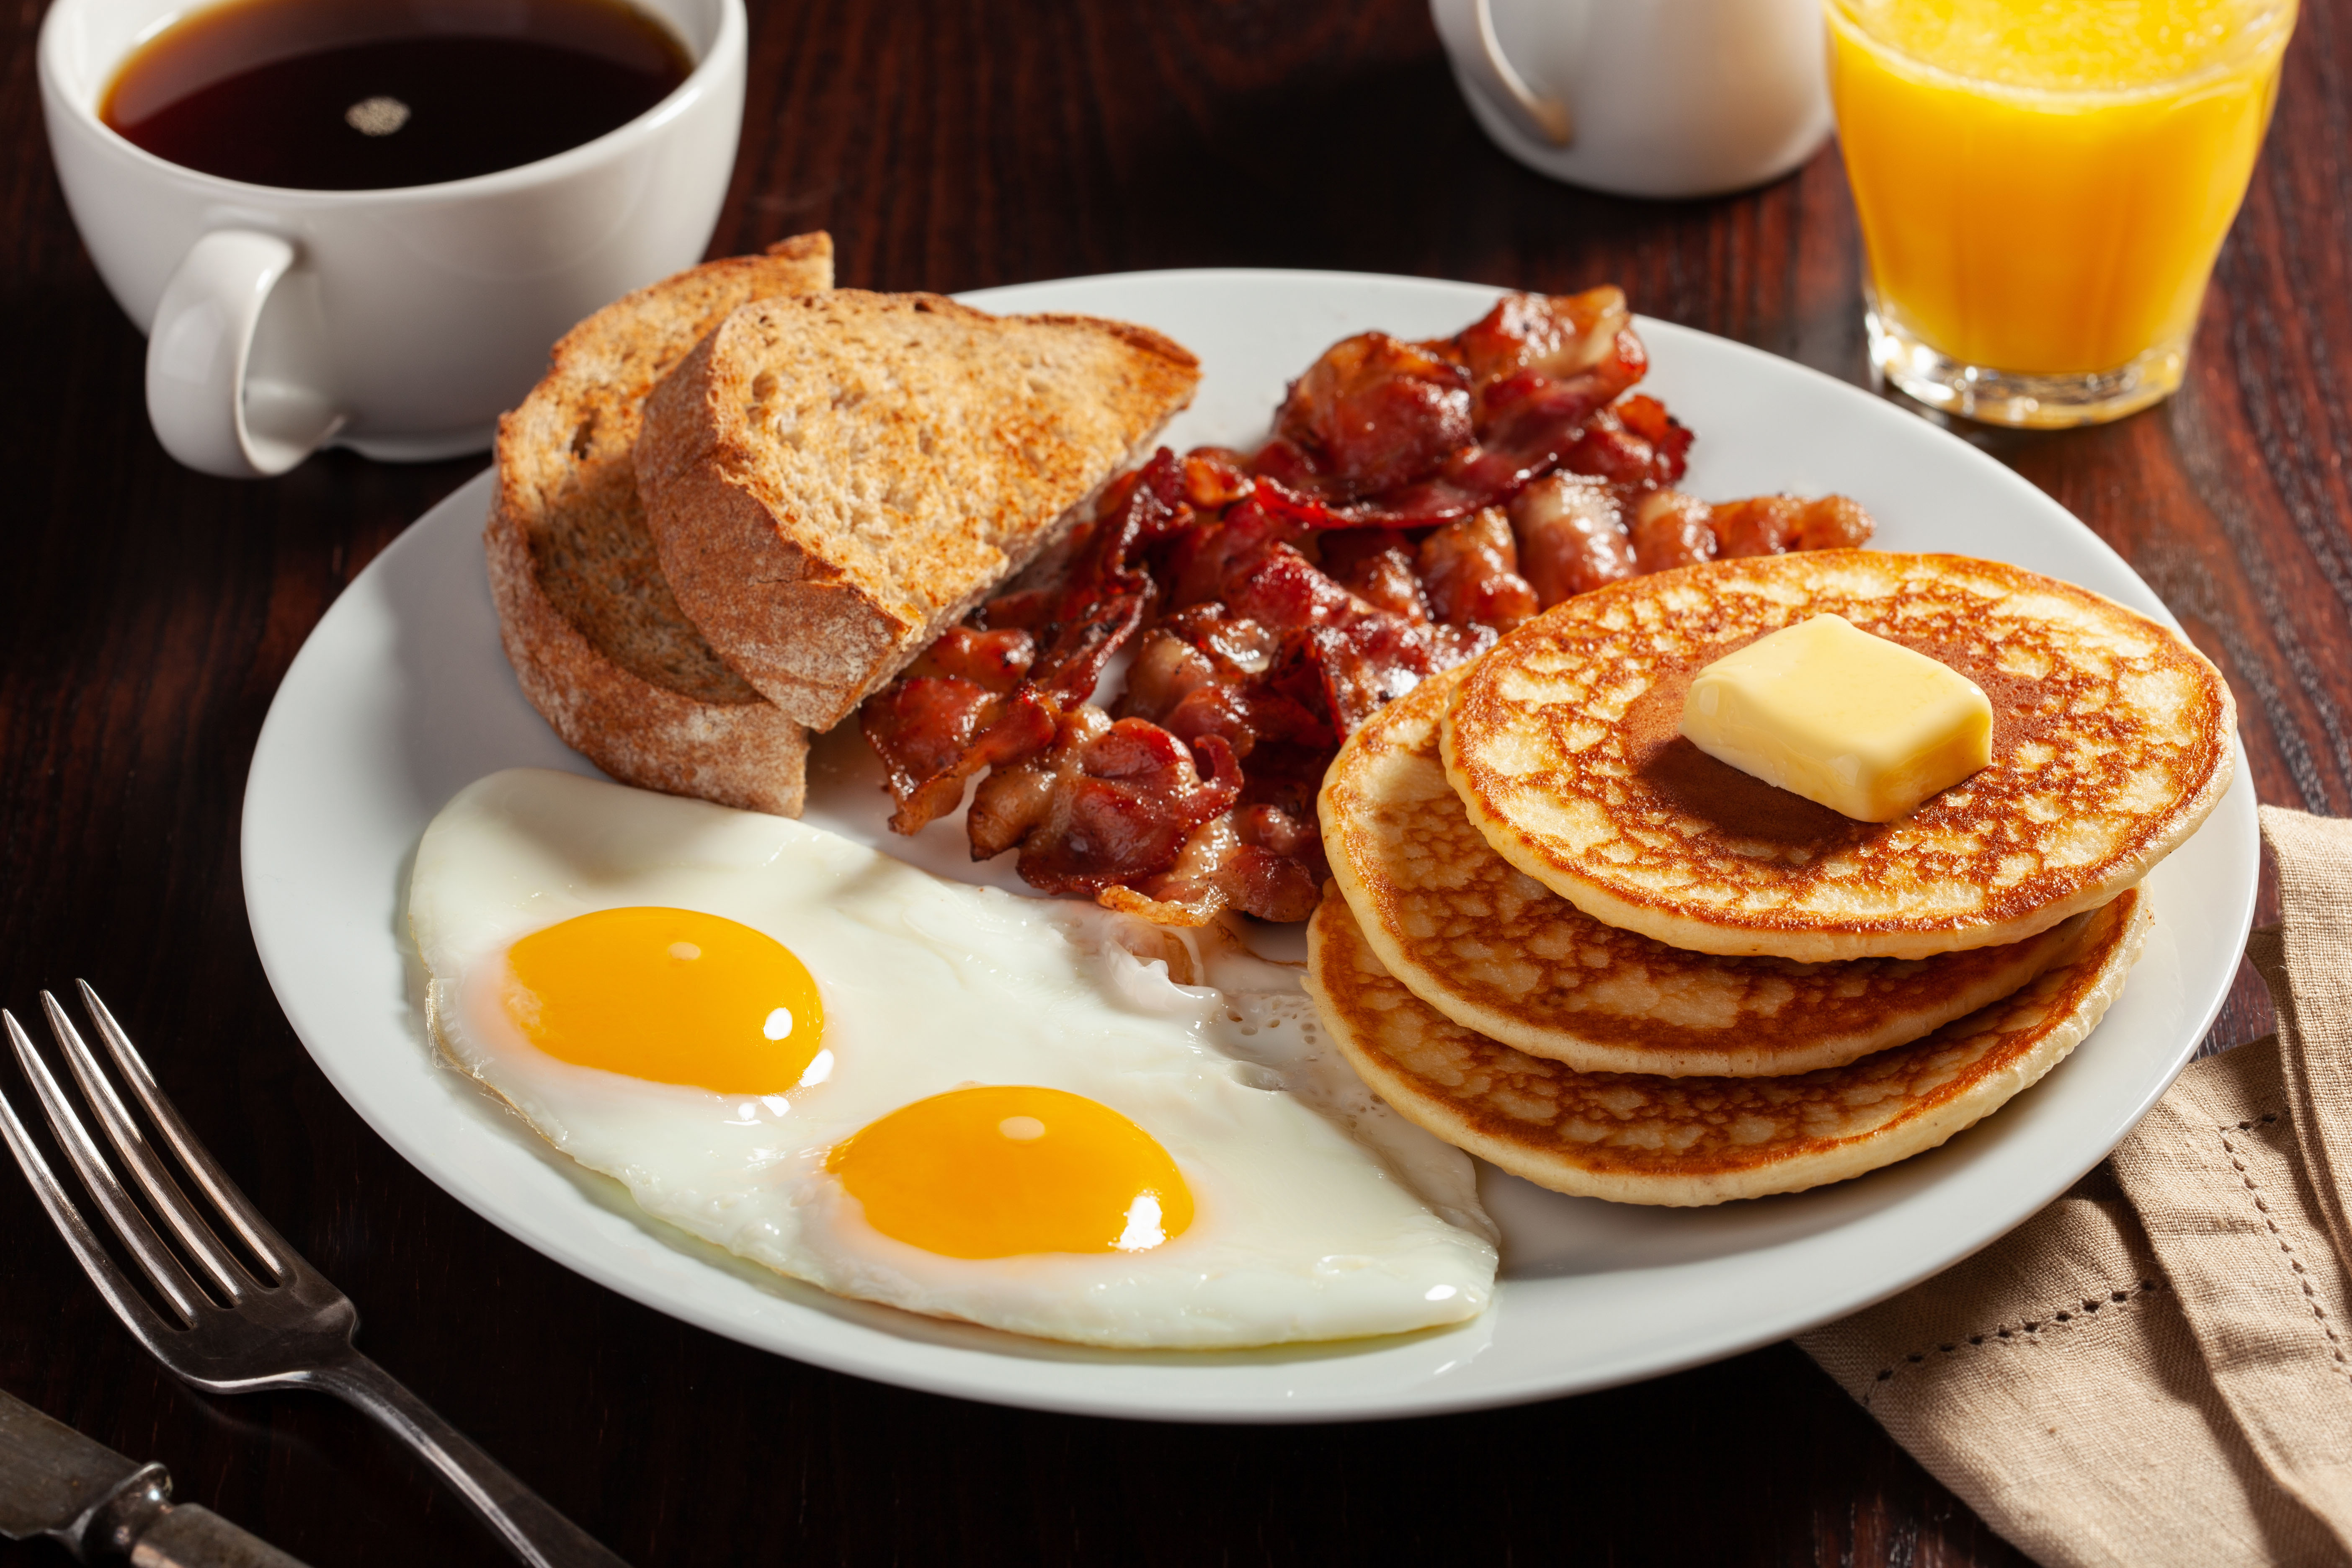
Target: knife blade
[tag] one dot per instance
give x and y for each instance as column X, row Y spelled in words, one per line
column 103, row 1508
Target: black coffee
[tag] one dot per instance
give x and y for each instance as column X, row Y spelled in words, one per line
column 358, row 95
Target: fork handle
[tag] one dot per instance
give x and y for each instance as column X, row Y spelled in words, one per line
column 532, row 1529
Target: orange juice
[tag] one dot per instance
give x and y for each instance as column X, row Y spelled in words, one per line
column 2043, row 184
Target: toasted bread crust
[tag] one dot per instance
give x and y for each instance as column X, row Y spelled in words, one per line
column 596, row 638
column 832, row 481
column 742, row 753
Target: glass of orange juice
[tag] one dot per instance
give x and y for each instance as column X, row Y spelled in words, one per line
column 2043, row 185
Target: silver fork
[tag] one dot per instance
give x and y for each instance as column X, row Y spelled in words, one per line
column 236, row 1333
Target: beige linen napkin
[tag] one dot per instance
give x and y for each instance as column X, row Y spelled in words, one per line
column 2156, row 1369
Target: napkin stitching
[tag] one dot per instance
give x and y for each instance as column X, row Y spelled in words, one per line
column 2286, row 1247
column 2089, row 1308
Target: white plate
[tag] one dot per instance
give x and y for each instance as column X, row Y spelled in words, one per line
column 402, row 696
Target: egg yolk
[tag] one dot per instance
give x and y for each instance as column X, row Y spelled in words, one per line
column 1000, row 1171
column 672, row 996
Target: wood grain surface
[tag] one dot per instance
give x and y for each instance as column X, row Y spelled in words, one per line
column 950, row 144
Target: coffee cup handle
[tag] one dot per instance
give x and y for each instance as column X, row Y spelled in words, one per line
column 1548, row 117
column 200, row 354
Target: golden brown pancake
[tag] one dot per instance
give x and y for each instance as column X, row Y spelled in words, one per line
column 1496, row 952
column 2111, row 744
column 1635, row 1139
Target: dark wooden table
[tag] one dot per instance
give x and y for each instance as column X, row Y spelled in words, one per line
column 948, row 146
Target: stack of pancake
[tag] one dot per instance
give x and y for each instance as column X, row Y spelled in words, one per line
column 1563, row 938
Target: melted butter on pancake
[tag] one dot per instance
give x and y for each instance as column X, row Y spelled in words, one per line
column 1864, row 726
column 2111, row 744
column 1501, row 955
column 1632, row 1138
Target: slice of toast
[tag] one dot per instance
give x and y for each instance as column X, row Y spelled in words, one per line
column 832, row 479
column 590, row 624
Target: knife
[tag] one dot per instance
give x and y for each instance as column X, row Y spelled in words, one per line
column 56, row 1482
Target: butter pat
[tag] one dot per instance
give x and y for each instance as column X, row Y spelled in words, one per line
column 1862, row 725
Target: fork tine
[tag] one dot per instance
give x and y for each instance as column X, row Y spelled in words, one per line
column 138, row 1156
column 128, row 1303
column 256, row 1232
column 112, row 1201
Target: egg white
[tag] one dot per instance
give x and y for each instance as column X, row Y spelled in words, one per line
column 1319, row 1214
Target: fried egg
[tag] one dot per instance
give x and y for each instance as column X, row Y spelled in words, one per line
column 943, row 1097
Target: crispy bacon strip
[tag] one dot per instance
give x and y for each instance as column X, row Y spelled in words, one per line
column 1377, row 566
column 1552, row 334
column 1472, row 568
column 992, row 697
column 1633, row 444
column 1339, row 656
column 1571, row 536
column 1671, row 529
column 955, row 710
column 1374, row 412
column 1215, row 477
column 1196, row 674
column 1774, row 525
column 1537, row 370
column 1260, row 859
column 1113, row 802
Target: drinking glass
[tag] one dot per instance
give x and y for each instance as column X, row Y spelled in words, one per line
column 2043, row 187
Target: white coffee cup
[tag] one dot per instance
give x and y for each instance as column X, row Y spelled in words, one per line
column 1644, row 98
column 399, row 322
